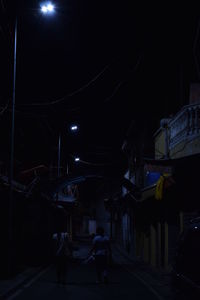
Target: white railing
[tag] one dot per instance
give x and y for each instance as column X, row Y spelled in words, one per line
column 185, row 124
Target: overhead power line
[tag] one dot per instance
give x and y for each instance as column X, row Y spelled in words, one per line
column 95, row 164
column 3, row 109
column 53, row 102
column 114, row 92
column 70, row 94
column 116, row 88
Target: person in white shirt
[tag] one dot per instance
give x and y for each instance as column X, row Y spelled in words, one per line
column 63, row 252
column 102, row 251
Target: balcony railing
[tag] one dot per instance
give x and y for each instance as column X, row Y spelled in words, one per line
column 185, row 125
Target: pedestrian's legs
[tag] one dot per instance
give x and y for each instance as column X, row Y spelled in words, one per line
column 105, row 269
column 64, row 270
column 101, row 268
column 58, row 269
column 98, row 268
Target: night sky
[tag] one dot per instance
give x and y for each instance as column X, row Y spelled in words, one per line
column 101, row 64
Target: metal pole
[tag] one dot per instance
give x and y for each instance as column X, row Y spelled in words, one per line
column 111, row 222
column 10, row 226
column 59, row 146
column 58, row 171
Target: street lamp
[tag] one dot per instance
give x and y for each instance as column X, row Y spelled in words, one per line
column 73, row 128
column 48, row 9
column 77, row 159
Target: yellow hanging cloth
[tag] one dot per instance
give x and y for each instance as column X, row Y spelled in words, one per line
column 159, row 188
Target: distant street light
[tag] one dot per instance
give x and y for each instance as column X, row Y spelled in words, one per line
column 72, row 128
column 48, row 9
column 77, row 159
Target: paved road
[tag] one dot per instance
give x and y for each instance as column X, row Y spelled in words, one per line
column 128, row 280
column 81, row 284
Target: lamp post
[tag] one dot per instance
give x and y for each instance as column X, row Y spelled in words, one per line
column 10, row 208
column 45, row 9
column 59, row 152
column 73, row 128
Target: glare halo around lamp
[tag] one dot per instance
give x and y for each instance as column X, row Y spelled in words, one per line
column 47, row 8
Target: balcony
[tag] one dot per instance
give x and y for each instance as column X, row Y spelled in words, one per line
column 185, row 126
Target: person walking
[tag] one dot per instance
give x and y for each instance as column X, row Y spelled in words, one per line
column 62, row 255
column 102, row 253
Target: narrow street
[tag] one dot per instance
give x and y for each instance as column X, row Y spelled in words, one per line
column 130, row 279
column 100, row 150
column 81, row 283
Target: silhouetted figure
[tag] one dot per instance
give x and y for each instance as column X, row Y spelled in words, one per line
column 102, row 252
column 92, row 236
column 62, row 255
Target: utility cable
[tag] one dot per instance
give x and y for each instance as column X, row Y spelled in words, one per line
column 3, row 109
column 117, row 87
column 122, row 82
column 70, row 94
column 93, row 164
column 53, row 102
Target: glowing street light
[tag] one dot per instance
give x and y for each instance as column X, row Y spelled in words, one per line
column 74, row 127
column 50, row 7
column 77, row 159
column 47, row 8
column 44, row 9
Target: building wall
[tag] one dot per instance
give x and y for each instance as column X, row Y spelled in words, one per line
column 183, row 133
column 185, row 148
column 126, row 223
column 160, row 144
column 92, row 226
column 102, row 216
column 186, row 143
column 157, row 243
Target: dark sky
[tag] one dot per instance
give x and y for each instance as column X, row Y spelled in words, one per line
column 99, row 63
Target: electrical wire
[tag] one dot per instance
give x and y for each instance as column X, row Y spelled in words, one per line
column 105, row 100
column 70, row 94
column 117, row 87
column 122, row 82
column 3, row 109
column 53, row 102
column 93, row 164
column 23, row 113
